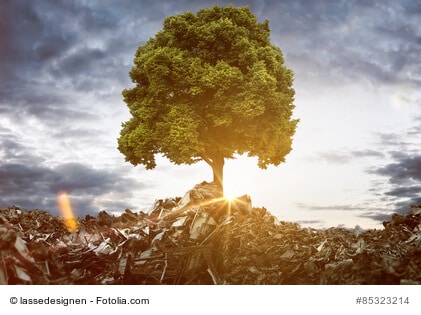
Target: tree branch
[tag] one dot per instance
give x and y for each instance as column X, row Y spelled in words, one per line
column 207, row 160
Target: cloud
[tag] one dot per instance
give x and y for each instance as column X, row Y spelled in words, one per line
column 400, row 166
column 56, row 52
column 403, row 207
column 334, row 157
column 51, row 108
column 377, row 216
column 405, row 170
column 14, row 150
column 367, row 153
column 343, row 157
column 340, row 40
column 34, row 186
column 63, row 65
column 404, row 177
column 392, row 141
column 411, row 191
column 330, row 207
column 59, row 48
column 415, row 131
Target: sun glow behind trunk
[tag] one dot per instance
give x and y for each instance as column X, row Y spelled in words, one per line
column 230, row 192
column 69, row 219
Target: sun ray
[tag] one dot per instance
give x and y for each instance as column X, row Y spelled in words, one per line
column 69, row 219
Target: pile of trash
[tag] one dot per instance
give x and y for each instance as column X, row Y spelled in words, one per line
column 204, row 239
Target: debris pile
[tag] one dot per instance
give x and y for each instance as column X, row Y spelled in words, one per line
column 204, row 239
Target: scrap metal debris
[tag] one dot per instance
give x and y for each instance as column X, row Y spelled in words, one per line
column 204, row 239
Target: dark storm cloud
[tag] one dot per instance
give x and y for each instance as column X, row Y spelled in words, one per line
column 405, row 170
column 50, row 106
column 377, row 216
column 53, row 50
column 410, row 191
column 404, row 177
column 31, row 38
column 348, row 40
column 28, row 182
column 33, row 186
column 80, row 133
column 85, row 46
column 402, row 205
column 402, row 187
column 14, row 150
column 78, row 178
column 85, row 60
column 11, row 151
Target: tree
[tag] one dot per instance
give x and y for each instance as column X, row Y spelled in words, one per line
column 209, row 86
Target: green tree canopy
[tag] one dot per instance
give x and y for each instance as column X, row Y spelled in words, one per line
column 209, row 86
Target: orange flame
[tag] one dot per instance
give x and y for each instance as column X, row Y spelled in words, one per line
column 67, row 212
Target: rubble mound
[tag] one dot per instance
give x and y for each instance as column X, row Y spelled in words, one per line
column 204, row 239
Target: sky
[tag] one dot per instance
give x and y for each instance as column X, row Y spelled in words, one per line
column 356, row 156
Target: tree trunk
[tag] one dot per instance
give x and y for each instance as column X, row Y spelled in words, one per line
column 218, row 172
